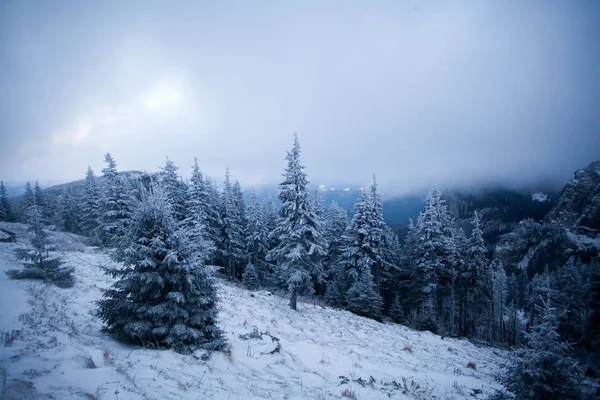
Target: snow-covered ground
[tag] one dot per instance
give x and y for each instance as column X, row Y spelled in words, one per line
column 52, row 348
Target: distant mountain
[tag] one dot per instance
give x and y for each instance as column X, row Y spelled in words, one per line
column 578, row 205
column 571, row 227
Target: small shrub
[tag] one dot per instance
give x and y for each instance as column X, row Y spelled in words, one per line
column 349, row 393
column 52, row 271
column 408, row 347
column 471, row 365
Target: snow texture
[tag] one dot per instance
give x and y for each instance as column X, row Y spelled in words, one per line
column 52, row 347
column 541, row 197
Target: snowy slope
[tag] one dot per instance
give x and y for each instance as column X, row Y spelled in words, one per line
column 58, row 351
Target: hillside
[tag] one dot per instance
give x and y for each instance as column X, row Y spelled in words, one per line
column 53, row 348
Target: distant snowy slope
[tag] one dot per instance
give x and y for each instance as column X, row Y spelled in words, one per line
column 59, row 352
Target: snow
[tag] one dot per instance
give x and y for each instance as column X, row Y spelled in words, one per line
column 347, row 189
column 322, row 187
column 61, row 353
column 540, row 197
column 584, row 241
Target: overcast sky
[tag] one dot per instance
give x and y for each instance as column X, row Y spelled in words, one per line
column 420, row 93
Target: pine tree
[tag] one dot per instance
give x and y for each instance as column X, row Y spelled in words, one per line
column 270, row 218
column 257, row 238
column 37, row 227
column 232, row 216
column 90, row 208
column 214, row 223
column 498, row 297
column 396, row 311
column 115, row 206
column 318, row 203
column 70, row 211
column 41, row 202
column 336, row 223
column 175, row 189
column 477, row 281
column 163, row 297
column 543, row 369
column 301, row 248
column 429, row 260
column 360, row 256
column 6, row 212
column 194, row 226
column 592, row 332
column 363, row 297
column 573, row 289
column 250, row 277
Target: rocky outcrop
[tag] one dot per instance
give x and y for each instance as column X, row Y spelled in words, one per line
column 578, row 205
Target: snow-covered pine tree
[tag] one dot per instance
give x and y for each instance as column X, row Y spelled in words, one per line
column 299, row 254
column 336, row 223
column 250, row 277
column 212, row 215
column 90, row 207
column 257, row 238
column 361, row 254
column 175, row 189
column 377, row 240
column 27, row 202
column 573, row 288
column 37, row 227
column 270, row 218
column 396, row 312
column 318, row 203
column 428, row 260
column 233, row 253
column 163, row 297
column 543, row 369
column 70, row 211
column 195, row 223
column 115, row 206
column 592, row 331
column 41, row 202
column 498, row 298
column 363, row 297
column 6, row 212
column 477, row 281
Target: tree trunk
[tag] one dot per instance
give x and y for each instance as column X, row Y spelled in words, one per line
column 294, row 297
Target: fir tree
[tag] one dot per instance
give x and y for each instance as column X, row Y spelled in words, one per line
column 363, row 297
column 233, row 244
column 6, row 212
column 250, row 277
column 195, row 224
column 257, row 238
column 498, row 297
column 336, row 223
column 115, row 209
column 270, row 219
column 163, row 297
column 429, row 258
column 174, row 188
column 70, row 211
column 26, row 203
column 543, row 370
column 90, row 208
column 360, row 256
column 301, row 248
column 477, row 280
column 41, row 202
column 37, row 227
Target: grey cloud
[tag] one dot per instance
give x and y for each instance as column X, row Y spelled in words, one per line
column 428, row 93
